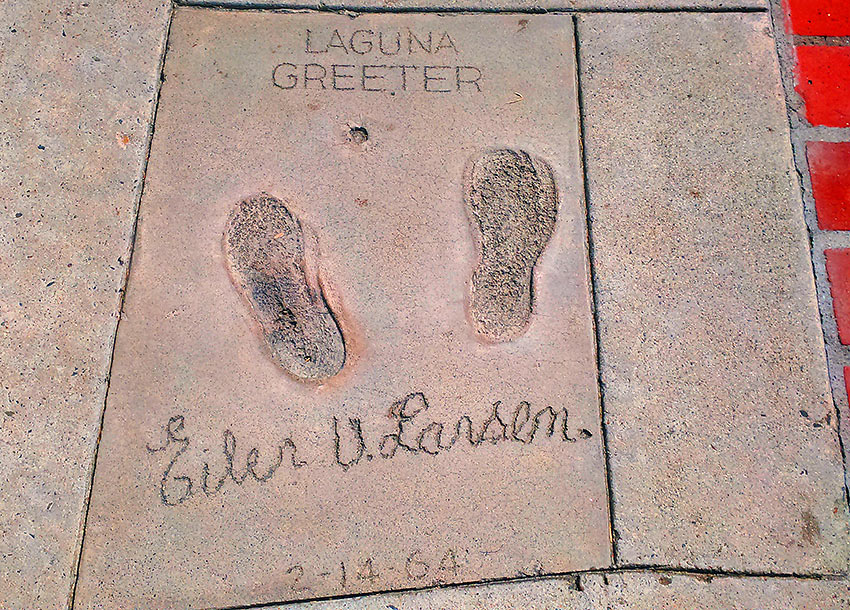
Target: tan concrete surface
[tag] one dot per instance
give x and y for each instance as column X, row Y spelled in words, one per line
column 644, row 590
column 615, row 591
column 722, row 435
column 79, row 82
column 376, row 179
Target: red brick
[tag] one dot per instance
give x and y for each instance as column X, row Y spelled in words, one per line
column 819, row 17
column 829, row 165
column 823, row 79
column 838, row 272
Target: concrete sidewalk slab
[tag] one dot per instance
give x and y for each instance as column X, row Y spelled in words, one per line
column 446, row 444
column 722, row 434
column 79, row 82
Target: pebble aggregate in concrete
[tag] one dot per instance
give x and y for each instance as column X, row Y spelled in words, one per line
column 79, row 83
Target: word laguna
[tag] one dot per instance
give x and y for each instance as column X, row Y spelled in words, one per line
column 364, row 42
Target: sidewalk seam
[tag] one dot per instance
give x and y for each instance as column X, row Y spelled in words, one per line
column 122, row 294
column 800, row 132
column 589, row 248
column 300, row 7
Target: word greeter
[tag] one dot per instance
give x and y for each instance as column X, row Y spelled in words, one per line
column 390, row 78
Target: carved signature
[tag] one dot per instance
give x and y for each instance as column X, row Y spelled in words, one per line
column 412, row 434
column 415, row 436
column 176, row 489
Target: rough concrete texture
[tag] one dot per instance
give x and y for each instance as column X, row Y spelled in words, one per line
column 266, row 251
column 838, row 355
column 645, row 590
column 491, row 5
column 79, row 82
column 722, row 435
column 432, row 456
column 801, row 133
column 615, row 591
column 513, row 204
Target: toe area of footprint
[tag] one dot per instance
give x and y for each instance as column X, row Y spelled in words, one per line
column 266, row 252
column 512, row 205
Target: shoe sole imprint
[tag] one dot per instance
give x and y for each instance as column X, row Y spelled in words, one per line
column 265, row 249
column 512, row 205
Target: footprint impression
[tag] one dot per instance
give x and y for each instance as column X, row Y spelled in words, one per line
column 265, row 249
column 512, row 205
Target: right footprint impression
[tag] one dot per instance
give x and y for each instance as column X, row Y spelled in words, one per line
column 512, row 205
column 265, row 249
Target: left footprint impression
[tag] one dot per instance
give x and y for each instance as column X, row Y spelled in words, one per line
column 265, row 249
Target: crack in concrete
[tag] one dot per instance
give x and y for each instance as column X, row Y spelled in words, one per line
column 573, row 578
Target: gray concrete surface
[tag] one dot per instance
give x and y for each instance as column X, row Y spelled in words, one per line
column 721, row 432
column 79, row 82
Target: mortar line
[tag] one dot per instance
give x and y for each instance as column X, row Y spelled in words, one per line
column 826, row 41
column 575, row 576
column 160, row 74
column 783, row 44
column 594, row 301
column 297, row 7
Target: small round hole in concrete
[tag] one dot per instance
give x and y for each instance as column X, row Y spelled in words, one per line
column 358, row 134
